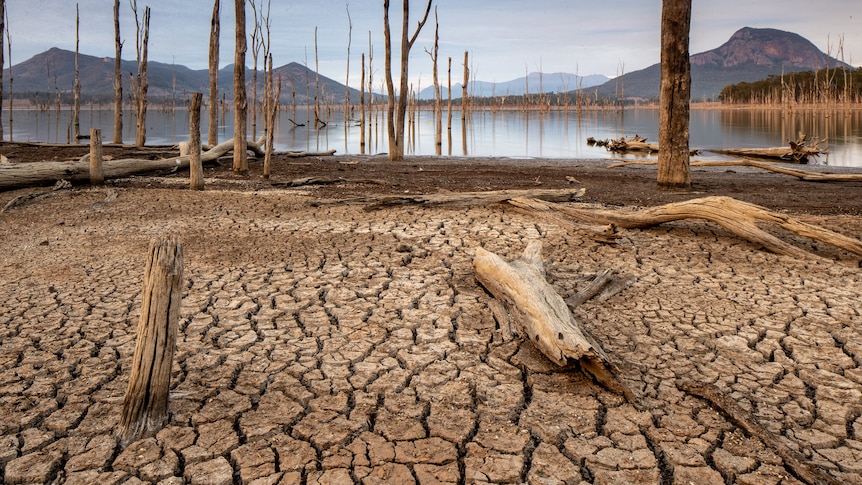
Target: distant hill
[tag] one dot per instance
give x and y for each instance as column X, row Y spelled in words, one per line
column 54, row 70
column 750, row 55
column 556, row 82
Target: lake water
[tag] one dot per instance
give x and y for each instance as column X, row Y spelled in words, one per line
column 555, row 134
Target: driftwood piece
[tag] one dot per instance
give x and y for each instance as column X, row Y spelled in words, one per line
column 806, row 175
column 799, row 151
column 541, row 209
column 309, row 154
column 14, row 175
column 738, row 217
column 25, row 199
column 793, row 460
column 470, row 198
column 145, row 404
column 536, row 312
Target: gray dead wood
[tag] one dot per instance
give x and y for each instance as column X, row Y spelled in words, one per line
column 543, row 210
column 793, row 460
column 807, row 175
column 740, row 218
column 15, row 175
column 800, row 150
column 145, row 404
column 469, row 198
column 22, row 200
column 536, row 312
column 309, row 154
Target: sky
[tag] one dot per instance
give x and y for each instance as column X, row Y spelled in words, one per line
column 505, row 38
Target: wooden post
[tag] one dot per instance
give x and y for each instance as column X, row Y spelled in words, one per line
column 97, row 177
column 145, row 405
column 196, row 170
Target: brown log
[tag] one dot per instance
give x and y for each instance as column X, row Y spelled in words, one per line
column 736, row 216
column 537, row 313
column 145, row 404
column 470, row 198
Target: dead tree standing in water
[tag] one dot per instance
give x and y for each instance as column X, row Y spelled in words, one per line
column 118, row 80
column 139, row 82
column 215, row 28
column 396, row 119
column 240, row 157
column 438, row 109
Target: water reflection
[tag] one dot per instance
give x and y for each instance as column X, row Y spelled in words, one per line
column 500, row 133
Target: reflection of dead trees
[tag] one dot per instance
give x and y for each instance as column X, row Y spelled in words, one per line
column 799, row 151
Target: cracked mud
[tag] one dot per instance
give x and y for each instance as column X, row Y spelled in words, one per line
column 321, row 343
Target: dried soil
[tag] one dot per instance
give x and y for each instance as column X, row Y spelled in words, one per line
column 324, row 343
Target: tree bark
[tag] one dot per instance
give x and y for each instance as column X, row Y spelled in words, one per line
column 675, row 96
column 145, row 405
column 240, row 158
column 396, row 111
column 118, row 80
column 215, row 28
column 97, row 176
column 196, row 169
column 76, row 86
column 4, row 34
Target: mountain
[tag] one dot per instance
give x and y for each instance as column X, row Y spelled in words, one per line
column 54, row 70
column 557, row 82
column 749, row 55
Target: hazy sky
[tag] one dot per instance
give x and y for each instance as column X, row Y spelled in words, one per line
column 505, row 38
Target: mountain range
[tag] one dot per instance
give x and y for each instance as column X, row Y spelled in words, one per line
column 749, row 55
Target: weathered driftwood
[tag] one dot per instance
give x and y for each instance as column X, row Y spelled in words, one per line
column 738, row 217
column 14, row 175
column 470, row 198
column 636, row 143
column 32, row 197
column 797, row 151
column 541, row 209
column 145, row 405
column 309, row 154
column 793, row 459
column 806, row 175
column 536, row 312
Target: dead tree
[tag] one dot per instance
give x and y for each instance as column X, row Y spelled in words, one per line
column 396, row 117
column 2, row 32
column 256, row 44
column 438, row 108
column 139, row 82
column 240, row 158
column 118, row 80
column 675, row 96
column 76, row 86
column 347, row 76
column 215, row 28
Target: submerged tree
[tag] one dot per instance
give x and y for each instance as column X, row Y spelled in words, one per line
column 240, row 158
column 118, row 80
column 396, row 118
column 3, row 27
column 438, row 109
column 139, row 82
column 675, row 96
column 215, row 28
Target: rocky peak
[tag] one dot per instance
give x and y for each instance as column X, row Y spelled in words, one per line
column 765, row 47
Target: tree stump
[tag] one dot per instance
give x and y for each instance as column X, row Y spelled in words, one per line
column 196, row 169
column 97, row 176
column 145, row 405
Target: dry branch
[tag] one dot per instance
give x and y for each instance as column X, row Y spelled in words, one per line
column 470, row 198
column 738, row 217
column 797, row 151
column 793, row 460
column 536, row 312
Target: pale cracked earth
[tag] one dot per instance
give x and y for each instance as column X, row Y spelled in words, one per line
column 328, row 344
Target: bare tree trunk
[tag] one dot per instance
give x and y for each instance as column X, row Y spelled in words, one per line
column 438, row 108
column 240, row 158
column 215, row 28
column 362, row 108
column 395, row 118
column 118, row 80
column 449, row 108
column 139, row 88
column 196, row 169
column 256, row 40
column 675, row 97
column 464, row 90
column 2, row 33
column 347, row 76
column 317, row 120
column 76, row 87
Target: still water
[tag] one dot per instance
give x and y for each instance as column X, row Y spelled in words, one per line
column 517, row 134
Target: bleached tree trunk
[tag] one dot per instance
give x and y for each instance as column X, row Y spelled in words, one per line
column 675, row 96
column 142, row 36
column 2, row 34
column 215, row 28
column 256, row 39
column 347, row 76
column 464, row 90
column 118, row 80
column 438, row 108
column 76, row 87
column 240, row 158
column 362, row 108
column 396, row 114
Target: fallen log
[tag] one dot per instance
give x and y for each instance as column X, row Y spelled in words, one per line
column 309, row 154
column 799, row 151
column 534, row 311
column 16, row 175
column 738, row 217
column 469, row 198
